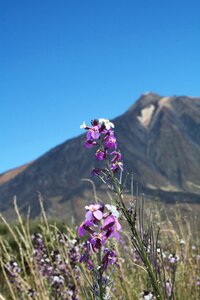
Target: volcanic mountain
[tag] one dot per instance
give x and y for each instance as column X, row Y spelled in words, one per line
column 159, row 138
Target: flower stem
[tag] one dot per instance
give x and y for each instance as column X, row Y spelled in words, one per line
column 101, row 290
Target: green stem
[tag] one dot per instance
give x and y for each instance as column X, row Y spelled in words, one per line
column 101, row 290
column 151, row 273
column 142, row 252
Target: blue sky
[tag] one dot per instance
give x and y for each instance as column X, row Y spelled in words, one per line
column 65, row 61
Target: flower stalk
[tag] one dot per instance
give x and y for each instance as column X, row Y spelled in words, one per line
column 101, row 289
column 101, row 134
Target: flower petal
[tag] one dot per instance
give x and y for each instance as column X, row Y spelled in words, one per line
column 98, row 214
column 89, row 215
column 81, row 230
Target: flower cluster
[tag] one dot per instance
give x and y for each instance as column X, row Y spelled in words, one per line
column 100, row 226
column 13, row 268
column 13, row 271
column 101, row 135
column 55, row 268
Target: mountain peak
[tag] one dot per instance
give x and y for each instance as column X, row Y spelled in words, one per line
column 159, row 138
column 150, row 94
column 145, row 100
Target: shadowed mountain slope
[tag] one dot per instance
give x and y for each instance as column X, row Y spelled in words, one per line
column 159, row 138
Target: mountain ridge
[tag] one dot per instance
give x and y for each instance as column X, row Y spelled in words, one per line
column 159, row 138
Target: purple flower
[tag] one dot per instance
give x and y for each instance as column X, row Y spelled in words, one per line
column 37, row 239
column 106, row 134
column 100, row 154
column 111, row 226
column 94, row 211
column 97, row 240
column 93, row 133
column 101, row 130
column 116, row 166
column 110, row 257
column 85, row 226
column 173, row 258
column 90, row 143
column 117, row 156
column 85, row 258
column 111, row 142
column 169, row 288
column 96, row 172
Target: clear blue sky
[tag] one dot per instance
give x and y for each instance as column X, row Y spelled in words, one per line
column 65, row 61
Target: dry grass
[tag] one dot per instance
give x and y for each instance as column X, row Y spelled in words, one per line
column 128, row 279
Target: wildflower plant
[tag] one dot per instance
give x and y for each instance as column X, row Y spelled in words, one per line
column 100, row 135
column 42, row 260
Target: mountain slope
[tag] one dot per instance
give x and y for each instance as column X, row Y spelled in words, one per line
column 160, row 141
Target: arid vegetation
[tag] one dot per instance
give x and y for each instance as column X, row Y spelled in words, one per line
column 41, row 260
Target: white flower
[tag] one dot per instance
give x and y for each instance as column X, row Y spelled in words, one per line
column 73, row 241
column 57, row 279
column 83, row 126
column 182, row 242
column 113, row 210
column 107, row 123
column 148, row 297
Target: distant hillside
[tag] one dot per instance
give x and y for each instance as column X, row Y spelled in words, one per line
column 159, row 138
